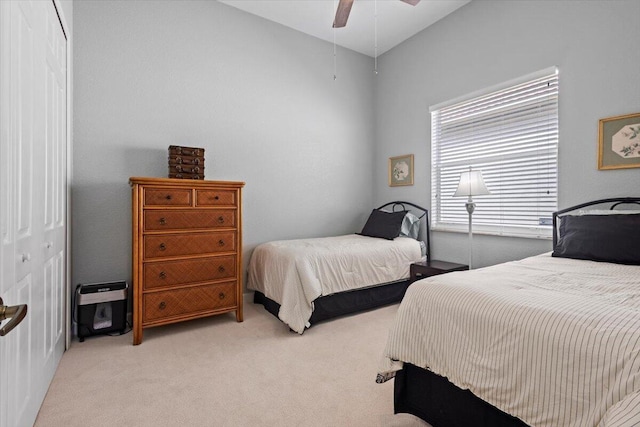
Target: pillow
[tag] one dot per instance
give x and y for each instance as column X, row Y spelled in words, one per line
column 385, row 225
column 609, row 238
column 410, row 226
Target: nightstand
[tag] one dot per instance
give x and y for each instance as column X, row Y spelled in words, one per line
column 422, row 269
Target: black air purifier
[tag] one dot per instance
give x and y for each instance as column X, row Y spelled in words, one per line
column 101, row 308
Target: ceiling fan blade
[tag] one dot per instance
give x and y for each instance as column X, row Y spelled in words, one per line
column 342, row 13
column 411, row 2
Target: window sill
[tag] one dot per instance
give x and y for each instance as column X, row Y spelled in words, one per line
column 523, row 234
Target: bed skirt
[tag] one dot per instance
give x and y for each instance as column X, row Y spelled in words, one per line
column 336, row 305
column 440, row 403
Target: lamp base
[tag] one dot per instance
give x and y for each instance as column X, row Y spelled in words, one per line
column 471, row 207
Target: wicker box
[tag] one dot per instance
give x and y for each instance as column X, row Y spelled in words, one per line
column 186, row 162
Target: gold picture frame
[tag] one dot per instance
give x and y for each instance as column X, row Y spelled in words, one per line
column 619, row 142
column 401, row 170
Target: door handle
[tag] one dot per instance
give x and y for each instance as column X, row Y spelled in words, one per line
column 16, row 313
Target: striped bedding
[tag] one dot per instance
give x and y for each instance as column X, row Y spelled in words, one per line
column 294, row 273
column 552, row 341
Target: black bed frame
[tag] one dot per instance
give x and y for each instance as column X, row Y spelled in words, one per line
column 439, row 402
column 336, row 305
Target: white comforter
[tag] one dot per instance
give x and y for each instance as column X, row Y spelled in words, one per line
column 295, row 272
column 552, row 341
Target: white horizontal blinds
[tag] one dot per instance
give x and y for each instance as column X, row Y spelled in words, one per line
column 511, row 135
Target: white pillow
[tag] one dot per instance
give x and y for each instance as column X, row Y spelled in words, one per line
column 410, row 226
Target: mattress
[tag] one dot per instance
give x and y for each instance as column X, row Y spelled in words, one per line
column 294, row 273
column 552, row 341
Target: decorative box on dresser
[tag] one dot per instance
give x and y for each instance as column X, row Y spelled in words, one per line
column 187, row 250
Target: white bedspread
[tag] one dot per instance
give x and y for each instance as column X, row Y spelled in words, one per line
column 295, row 272
column 552, row 341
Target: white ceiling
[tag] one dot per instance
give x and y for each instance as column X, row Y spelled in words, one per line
column 396, row 20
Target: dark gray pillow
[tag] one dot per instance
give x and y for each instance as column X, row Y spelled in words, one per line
column 385, row 225
column 609, row 238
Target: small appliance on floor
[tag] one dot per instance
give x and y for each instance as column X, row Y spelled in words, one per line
column 101, row 308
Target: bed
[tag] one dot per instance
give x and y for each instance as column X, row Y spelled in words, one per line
column 306, row 281
column 550, row 340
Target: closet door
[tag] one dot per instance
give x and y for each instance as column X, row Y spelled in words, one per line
column 54, row 201
column 32, row 202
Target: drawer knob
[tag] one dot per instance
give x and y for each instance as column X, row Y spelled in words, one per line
column 168, row 197
column 216, row 198
column 220, row 242
column 179, row 168
column 196, row 161
column 163, row 275
column 163, row 221
column 221, row 269
column 220, row 220
column 178, row 159
column 221, row 295
column 162, row 305
column 163, row 246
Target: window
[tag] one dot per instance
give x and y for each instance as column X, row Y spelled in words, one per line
column 509, row 133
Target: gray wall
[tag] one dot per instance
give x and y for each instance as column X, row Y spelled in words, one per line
column 259, row 97
column 595, row 46
column 67, row 11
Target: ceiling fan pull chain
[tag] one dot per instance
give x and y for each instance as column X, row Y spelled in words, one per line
column 334, row 49
column 375, row 36
column 334, row 56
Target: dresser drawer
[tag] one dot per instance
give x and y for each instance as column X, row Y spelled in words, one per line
column 167, row 245
column 216, row 198
column 187, row 301
column 168, row 273
column 155, row 220
column 167, row 197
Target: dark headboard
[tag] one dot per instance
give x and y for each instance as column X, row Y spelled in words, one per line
column 616, row 201
column 402, row 206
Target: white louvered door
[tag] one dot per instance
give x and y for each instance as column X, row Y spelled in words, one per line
column 33, row 97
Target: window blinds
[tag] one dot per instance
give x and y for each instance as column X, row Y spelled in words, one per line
column 511, row 135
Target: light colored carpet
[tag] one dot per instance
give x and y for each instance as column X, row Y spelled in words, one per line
column 217, row 372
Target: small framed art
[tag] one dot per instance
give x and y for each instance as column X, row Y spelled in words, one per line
column 401, row 170
column 619, row 142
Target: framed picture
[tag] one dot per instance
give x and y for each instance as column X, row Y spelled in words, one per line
column 401, row 170
column 619, row 142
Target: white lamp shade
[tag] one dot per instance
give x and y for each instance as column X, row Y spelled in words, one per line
column 471, row 184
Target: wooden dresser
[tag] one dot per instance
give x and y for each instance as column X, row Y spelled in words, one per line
column 187, row 250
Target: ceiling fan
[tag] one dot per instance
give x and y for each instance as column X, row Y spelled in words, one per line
column 344, row 7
